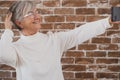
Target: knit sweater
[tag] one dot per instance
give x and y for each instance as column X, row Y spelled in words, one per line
column 38, row 57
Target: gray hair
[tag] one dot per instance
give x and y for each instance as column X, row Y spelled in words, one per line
column 19, row 9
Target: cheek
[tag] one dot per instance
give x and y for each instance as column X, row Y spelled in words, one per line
column 26, row 23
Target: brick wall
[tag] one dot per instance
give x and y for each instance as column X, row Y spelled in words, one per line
column 95, row 59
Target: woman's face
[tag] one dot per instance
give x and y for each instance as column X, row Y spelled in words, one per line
column 31, row 20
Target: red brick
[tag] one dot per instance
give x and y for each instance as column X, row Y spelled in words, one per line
column 114, row 27
column 73, row 68
column 85, row 11
column 54, row 19
column 45, row 11
column 51, row 3
column 5, row 3
column 104, row 11
column 93, row 1
column 47, row 26
column 84, row 60
column 74, row 54
column 3, row 11
column 109, row 33
column 114, row 54
column 68, row 75
column 5, row 67
column 64, row 26
column 84, row 75
column 8, row 79
column 108, row 47
column 114, row 2
column 96, row 54
column 87, row 47
column 107, row 75
column 74, row 3
column 97, row 68
column 67, row 60
column 16, row 33
column 107, row 61
column 15, row 39
column 2, row 26
column 14, row 74
column 64, row 11
column 5, row 74
column 75, row 18
column 114, row 68
column 94, row 18
column 116, row 40
column 101, row 40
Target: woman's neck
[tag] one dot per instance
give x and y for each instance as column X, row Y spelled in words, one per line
column 28, row 32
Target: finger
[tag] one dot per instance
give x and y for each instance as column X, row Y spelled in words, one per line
column 9, row 16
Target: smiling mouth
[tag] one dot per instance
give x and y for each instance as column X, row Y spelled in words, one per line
column 37, row 21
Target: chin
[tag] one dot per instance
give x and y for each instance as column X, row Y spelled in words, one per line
column 38, row 27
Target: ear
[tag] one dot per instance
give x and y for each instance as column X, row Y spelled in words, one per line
column 19, row 23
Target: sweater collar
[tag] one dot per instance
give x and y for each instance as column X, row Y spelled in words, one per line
column 31, row 37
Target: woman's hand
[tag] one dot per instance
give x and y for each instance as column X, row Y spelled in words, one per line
column 7, row 22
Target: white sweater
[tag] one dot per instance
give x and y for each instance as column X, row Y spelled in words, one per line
column 38, row 57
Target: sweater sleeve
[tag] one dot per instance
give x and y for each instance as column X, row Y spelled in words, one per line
column 7, row 52
column 78, row 35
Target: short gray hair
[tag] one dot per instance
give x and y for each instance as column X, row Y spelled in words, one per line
column 19, row 9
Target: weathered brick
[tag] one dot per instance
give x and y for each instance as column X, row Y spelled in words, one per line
column 87, row 47
column 54, row 19
column 5, row 74
column 104, row 11
column 85, row 11
column 115, row 68
column 16, row 33
column 47, row 26
column 2, row 26
column 8, row 79
column 94, row 18
column 101, row 40
column 74, row 54
column 97, row 68
column 44, row 11
column 84, row 60
column 64, row 26
column 73, row 68
column 114, row 54
column 112, row 33
column 68, row 75
column 108, row 47
column 5, row 67
column 107, row 61
column 107, row 75
column 14, row 74
column 75, row 18
column 3, row 11
column 116, row 40
column 5, row 3
column 96, row 54
column 67, row 60
column 114, row 2
column 51, row 3
column 74, row 3
column 64, row 11
column 84, row 75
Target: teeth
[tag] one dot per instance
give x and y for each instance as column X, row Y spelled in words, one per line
column 35, row 22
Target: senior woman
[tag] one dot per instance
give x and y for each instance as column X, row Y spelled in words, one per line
column 37, row 56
